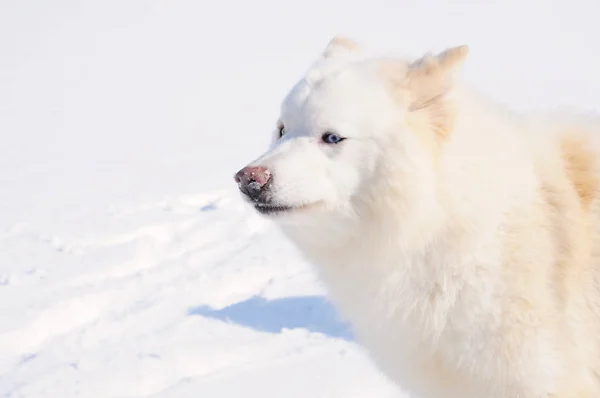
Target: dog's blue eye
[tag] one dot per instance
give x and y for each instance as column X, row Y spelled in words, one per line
column 331, row 138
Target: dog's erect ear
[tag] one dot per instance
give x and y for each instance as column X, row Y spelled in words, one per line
column 425, row 86
column 341, row 45
column 339, row 51
column 430, row 77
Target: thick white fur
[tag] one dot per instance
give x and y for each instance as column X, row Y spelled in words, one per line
column 466, row 257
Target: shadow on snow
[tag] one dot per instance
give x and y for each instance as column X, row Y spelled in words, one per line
column 313, row 313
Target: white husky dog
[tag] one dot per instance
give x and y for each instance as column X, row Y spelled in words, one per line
column 460, row 239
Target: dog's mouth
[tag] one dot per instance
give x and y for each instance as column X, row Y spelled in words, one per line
column 273, row 209
column 264, row 208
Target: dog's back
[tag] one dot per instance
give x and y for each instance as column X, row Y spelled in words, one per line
column 569, row 174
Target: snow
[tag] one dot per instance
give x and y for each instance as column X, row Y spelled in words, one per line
column 129, row 266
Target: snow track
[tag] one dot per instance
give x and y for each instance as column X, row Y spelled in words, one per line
column 178, row 293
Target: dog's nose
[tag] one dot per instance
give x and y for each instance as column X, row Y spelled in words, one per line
column 252, row 180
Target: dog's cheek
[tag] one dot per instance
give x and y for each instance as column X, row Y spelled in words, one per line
column 342, row 179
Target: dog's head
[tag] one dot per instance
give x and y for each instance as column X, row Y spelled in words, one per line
column 355, row 131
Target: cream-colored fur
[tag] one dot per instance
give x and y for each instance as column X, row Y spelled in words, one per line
column 460, row 239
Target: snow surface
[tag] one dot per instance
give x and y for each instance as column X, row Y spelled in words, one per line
column 129, row 266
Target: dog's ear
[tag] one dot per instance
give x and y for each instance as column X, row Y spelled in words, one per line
column 341, row 45
column 426, row 86
column 430, row 77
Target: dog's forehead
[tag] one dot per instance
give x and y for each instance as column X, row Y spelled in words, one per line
column 339, row 92
column 329, row 82
column 296, row 97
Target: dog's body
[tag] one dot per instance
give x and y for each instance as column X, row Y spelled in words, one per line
column 461, row 240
